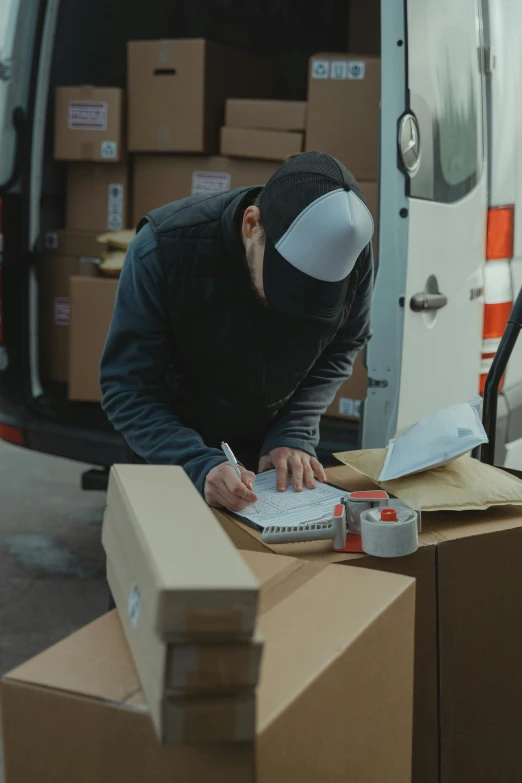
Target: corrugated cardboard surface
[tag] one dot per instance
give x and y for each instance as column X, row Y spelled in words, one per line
column 270, row 115
column 76, row 139
column 480, row 605
column 54, row 273
column 178, row 88
column 343, row 113
column 159, row 179
column 334, row 701
column 191, row 581
column 76, row 713
column 97, row 197
column 264, row 144
column 92, row 303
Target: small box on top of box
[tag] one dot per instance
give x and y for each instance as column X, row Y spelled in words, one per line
column 270, row 130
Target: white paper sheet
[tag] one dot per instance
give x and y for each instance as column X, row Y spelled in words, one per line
column 290, row 507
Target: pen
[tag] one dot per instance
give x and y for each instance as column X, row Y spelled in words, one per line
column 229, row 454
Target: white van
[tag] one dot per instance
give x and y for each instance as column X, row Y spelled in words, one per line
column 450, row 125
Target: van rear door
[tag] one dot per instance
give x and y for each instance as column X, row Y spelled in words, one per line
column 26, row 38
column 428, row 306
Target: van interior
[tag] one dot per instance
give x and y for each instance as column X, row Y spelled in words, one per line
column 90, row 48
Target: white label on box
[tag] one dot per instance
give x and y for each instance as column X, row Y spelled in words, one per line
column 320, row 69
column 115, row 207
column 114, row 222
column 356, row 69
column 134, row 605
column 206, row 182
column 88, row 115
column 338, row 69
column 51, row 240
column 109, row 149
column 349, row 407
column 62, row 311
column 116, row 192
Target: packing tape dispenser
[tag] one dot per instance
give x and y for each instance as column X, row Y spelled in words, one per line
column 386, row 528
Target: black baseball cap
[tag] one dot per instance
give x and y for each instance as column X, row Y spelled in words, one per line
column 316, row 224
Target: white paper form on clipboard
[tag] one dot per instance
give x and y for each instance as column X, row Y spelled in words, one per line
column 290, row 507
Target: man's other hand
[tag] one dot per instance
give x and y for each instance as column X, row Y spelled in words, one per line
column 300, row 465
column 224, row 489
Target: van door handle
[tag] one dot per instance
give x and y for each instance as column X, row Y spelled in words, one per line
column 422, row 302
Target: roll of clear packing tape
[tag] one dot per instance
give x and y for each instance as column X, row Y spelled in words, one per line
column 389, row 532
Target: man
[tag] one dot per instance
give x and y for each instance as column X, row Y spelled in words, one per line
column 237, row 318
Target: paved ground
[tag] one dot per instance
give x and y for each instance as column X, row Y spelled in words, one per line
column 51, row 559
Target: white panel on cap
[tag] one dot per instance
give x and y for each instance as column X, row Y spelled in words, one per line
column 325, row 240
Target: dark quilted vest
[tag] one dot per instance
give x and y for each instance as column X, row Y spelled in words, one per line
column 235, row 363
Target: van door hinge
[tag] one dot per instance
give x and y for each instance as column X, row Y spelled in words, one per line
column 374, row 383
column 6, row 70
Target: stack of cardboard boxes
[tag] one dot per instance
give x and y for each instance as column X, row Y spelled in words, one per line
column 76, row 302
column 335, row 696
column 189, row 611
column 271, row 130
column 187, row 101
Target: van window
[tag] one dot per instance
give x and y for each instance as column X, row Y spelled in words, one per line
column 445, row 82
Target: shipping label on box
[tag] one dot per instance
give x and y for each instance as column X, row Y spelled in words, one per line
column 89, row 124
column 206, row 182
column 88, row 115
column 62, row 311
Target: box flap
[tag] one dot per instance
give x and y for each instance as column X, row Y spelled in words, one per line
column 95, row 661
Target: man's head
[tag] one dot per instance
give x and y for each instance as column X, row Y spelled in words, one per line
column 304, row 234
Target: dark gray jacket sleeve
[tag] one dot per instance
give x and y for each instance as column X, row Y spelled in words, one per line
column 297, row 425
column 138, row 352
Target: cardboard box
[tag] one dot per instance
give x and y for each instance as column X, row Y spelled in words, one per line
column 334, row 701
column 422, row 567
column 177, row 92
column 267, row 115
column 67, row 253
column 344, row 95
column 89, row 124
column 260, row 144
column 160, row 179
column 347, row 402
column 97, row 197
column 190, row 591
column 364, row 26
column 467, row 635
column 92, row 303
